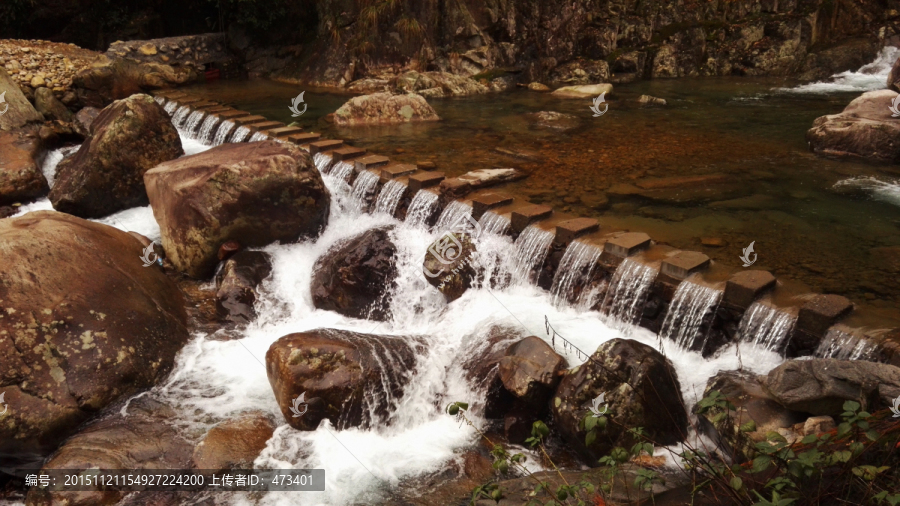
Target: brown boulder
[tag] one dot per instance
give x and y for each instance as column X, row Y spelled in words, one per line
column 864, row 130
column 530, row 370
column 105, row 175
column 448, row 264
column 255, row 193
column 352, row 379
column 234, row 443
column 86, row 116
column 236, row 284
column 384, row 108
column 21, row 179
column 48, row 105
column 893, row 80
column 17, row 110
column 84, row 324
column 355, row 277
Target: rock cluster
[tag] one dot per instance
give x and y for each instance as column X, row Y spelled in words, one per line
column 34, row 64
column 188, row 51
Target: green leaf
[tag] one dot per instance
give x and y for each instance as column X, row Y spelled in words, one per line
column 761, row 463
column 873, row 435
column 748, row 427
column 561, row 494
column 736, row 483
column 589, row 438
column 539, row 429
column 812, row 438
column 851, row 406
column 590, row 422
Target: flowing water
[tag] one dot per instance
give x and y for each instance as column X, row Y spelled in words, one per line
column 170, row 107
column 691, row 307
column 342, row 170
column 159, row 100
column 222, row 132
column 872, row 76
column 258, row 136
column 766, row 327
column 52, row 159
column 628, row 290
column 846, row 346
column 575, row 271
column 455, row 215
column 180, row 115
column 363, row 188
column 206, row 129
column 192, row 123
column 322, row 162
column 493, row 223
column 421, row 207
column 240, row 133
column 389, row 197
column 532, row 248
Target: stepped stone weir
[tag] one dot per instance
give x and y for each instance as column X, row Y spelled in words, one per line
column 424, row 180
column 625, row 245
column 691, row 310
column 532, row 248
column 627, row 293
column 683, row 264
column 525, row 216
column 422, row 207
column 575, row 271
column 484, row 203
column 370, row 162
column 567, row 231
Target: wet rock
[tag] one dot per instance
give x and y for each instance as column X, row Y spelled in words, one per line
column 893, row 80
column 49, row 106
column 448, row 264
column 580, row 72
column 584, row 91
column 481, row 367
column 595, row 201
column 818, row 425
column 142, row 440
column 457, row 187
column 536, row 86
column 86, row 116
column 641, row 390
column 352, row 379
column 439, row 84
column 236, row 284
column 647, row 100
column 814, row 319
column 109, row 79
column 369, row 86
column 19, row 110
column 355, row 277
column 384, row 108
column 555, row 120
column 744, row 287
column 100, row 327
column 820, row 386
column 21, row 179
column 864, row 130
column 256, row 193
column 105, row 175
column 234, row 443
column 531, row 370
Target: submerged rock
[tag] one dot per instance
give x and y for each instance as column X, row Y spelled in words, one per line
column 555, row 120
column 234, row 443
column 84, row 324
column 355, row 277
column 384, row 108
column 18, row 110
column 646, row 100
column 352, row 379
column 583, row 91
column 641, row 390
column 536, row 86
column 865, row 129
column 21, row 179
column 256, row 193
column 236, row 284
column 106, row 174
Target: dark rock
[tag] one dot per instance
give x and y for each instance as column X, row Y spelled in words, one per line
column 481, row 367
column 820, row 386
column 355, row 277
column 48, row 105
column 448, row 264
column 86, row 117
column 234, row 443
column 813, row 321
column 352, row 379
column 18, row 110
column 110, row 79
column 745, row 287
column 21, row 179
column 227, row 249
column 236, row 284
column 257, row 193
column 580, row 72
column 100, row 327
column 864, row 130
column 531, row 370
column 106, row 174
column 893, row 80
column 641, row 390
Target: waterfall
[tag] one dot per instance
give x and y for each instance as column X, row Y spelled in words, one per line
column 51, row 161
column 180, row 115
column 222, row 132
column 323, row 162
column 192, row 122
column 421, row 208
column 532, row 248
column 240, row 133
column 341, row 171
column 160, row 100
column 390, row 196
column 203, row 135
column 363, row 188
column 494, row 223
column 170, row 107
column 766, row 327
column 627, row 293
column 575, row 270
column 690, row 308
column 258, row 137
column 846, row 346
column 456, row 213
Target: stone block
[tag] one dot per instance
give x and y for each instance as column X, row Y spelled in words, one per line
column 627, row 244
column 524, row 216
column 424, row 180
column 396, row 170
column 232, row 115
column 569, row 230
column 327, row 145
column 304, row 138
column 347, row 153
column 820, row 313
column 683, row 264
column 370, row 162
column 249, row 120
column 484, row 203
column 746, row 286
column 284, row 131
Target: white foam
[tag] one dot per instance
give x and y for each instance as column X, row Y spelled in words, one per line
column 872, row 76
column 885, row 191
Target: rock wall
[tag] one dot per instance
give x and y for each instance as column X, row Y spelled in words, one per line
column 189, row 51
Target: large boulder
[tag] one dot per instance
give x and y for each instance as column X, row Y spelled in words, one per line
column 254, row 193
column 234, row 443
column 355, row 277
column 384, row 108
column 106, row 174
column 16, row 109
column 111, row 79
column 21, row 179
column 48, row 105
column 820, row 386
column 84, row 323
column 448, row 264
column 530, row 370
column 583, row 91
column 352, row 379
column 641, row 390
column 864, row 130
column 893, row 80
column 236, row 284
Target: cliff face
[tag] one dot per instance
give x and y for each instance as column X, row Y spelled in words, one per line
column 636, row 38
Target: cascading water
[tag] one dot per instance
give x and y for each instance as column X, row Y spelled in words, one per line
column 421, row 207
column 258, row 137
column 362, row 189
column 240, row 133
column 51, row 161
column 160, row 100
column 322, row 162
column 341, row 171
column 389, row 197
column 170, row 107
column 766, row 327
column 191, row 123
column 627, row 293
column 455, row 214
column 575, row 270
column 179, row 116
column 493, row 223
column 206, row 129
column 532, row 248
column 222, row 132
column 846, row 346
column 690, row 308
